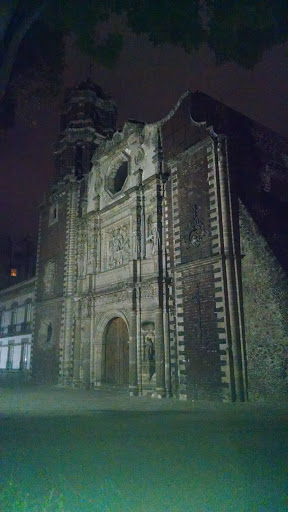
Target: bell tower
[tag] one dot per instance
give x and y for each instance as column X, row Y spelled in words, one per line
column 88, row 116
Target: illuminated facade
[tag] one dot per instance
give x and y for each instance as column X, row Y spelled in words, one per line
column 154, row 252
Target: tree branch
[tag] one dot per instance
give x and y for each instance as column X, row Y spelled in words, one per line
column 10, row 53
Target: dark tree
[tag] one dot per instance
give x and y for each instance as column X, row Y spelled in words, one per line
column 32, row 33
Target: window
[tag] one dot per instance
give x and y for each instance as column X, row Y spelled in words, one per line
column 117, row 178
column 14, row 314
column 9, row 364
column 120, row 177
column 49, row 332
column 24, row 354
column 13, row 272
column 53, row 214
column 79, row 161
column 2, row 321
column 27, row 312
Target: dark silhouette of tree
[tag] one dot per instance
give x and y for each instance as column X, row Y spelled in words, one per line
column 32, row 33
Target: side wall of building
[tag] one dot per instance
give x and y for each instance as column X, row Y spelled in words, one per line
column 49, row 289
column 204, row 259
column 265, row 294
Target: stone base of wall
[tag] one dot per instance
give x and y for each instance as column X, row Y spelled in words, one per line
column 14, row 377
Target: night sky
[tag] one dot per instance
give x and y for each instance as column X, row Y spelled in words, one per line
column 146, row 83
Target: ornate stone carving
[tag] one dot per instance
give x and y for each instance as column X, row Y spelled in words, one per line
column 87, row 248
column 98, row 180
column 139, row 156
column 195, row 231
column 114, row 298
column 86, row 306
column 153, row 237
column 149, row 292
column 119, row 246
column 49, row 277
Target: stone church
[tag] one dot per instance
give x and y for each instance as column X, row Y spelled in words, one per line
column 162, row 253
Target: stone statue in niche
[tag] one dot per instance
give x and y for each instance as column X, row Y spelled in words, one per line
column 149, row 351
column 136, row 245
column 148, row 354
column 153, row 237
column 49, row 277
column 195, row 231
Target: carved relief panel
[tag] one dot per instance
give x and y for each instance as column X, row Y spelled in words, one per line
column 118, row 245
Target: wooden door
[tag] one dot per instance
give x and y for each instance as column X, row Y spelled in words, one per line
column 117, row 353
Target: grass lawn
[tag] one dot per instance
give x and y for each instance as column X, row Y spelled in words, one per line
column 226, row 458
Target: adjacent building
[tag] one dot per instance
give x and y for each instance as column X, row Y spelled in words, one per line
column 16, row 317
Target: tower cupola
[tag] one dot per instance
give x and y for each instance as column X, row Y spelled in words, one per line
column 88, row 117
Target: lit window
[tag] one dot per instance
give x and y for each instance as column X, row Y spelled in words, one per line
column 13, row 272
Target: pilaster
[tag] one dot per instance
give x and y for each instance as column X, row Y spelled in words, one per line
column 67, row 333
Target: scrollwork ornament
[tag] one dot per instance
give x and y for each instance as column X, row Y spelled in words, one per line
column 195, row 231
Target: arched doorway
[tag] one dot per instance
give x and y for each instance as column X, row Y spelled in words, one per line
column 117, row 353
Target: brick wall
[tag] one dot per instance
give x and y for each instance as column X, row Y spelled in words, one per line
column 201, row 344
column 45, row 367
column 49, row 301
column 196, row 367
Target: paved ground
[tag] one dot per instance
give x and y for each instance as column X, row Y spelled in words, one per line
column 78, row 451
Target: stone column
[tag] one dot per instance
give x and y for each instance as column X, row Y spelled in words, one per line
column 98, row 356
column 159, row 354
column 133, row 377
column 77, row 353
column 85, row 352
column 167, row 354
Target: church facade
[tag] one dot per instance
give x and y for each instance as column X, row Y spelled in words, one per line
column 161, row 257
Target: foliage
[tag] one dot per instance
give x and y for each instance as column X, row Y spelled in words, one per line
column 32, row 33
column 13, row 500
